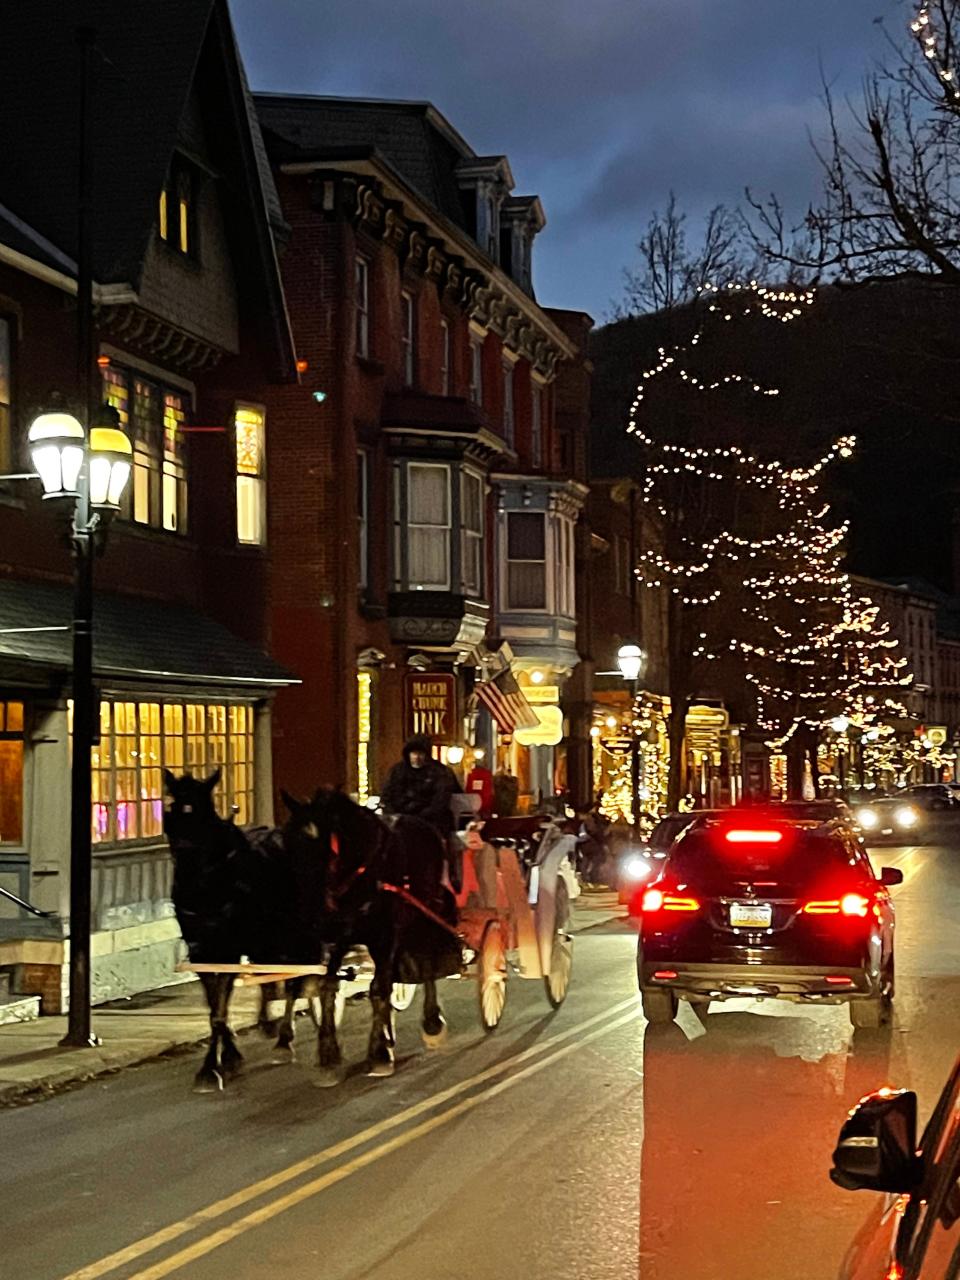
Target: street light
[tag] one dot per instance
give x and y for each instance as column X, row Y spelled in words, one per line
column 631, row 660
column 92, row 473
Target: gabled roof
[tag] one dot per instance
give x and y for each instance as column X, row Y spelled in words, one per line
column 413, row 137
column 142, row 67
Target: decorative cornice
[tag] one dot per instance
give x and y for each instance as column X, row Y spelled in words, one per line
column 144, row 332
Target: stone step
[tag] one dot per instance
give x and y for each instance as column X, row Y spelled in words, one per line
column 19, row 1009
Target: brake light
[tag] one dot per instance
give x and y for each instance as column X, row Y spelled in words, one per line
column 837, row 980
column 657, row 900
column 851, row 904
column 665, row 975
column 759, row 836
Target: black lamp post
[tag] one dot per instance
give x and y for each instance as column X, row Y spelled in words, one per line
column 631, row 660
column 90, row 468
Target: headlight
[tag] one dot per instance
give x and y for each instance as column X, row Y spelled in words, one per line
column 867, row 819
column 906, row 816
column 635, row 867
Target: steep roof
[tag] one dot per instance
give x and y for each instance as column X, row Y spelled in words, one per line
column 142, row 67
column 413, row 137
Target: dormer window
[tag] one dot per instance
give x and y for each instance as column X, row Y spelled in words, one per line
column 176, row 216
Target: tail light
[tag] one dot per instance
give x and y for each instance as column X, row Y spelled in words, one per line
column 851, row 904
column 663, row 900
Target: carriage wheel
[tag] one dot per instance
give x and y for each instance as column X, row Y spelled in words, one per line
column 491, row 976
column 557, row 981
column 401, row 997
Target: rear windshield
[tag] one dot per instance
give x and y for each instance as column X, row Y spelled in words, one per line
column 667, row 829
column 707, row 861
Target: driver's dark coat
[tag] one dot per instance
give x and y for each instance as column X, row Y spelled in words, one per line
column 421, row 793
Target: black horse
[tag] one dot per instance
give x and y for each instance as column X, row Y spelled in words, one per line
column 348, row 866
column 233, row 894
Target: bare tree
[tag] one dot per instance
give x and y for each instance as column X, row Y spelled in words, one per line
column 672, row 271
column 890, row 202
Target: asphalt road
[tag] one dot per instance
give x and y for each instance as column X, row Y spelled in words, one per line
column 580, row 1144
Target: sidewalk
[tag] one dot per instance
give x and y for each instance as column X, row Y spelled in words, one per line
column 32, row 1063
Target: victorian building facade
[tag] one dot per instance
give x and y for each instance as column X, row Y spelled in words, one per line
column 191, row 329
column 423, row 520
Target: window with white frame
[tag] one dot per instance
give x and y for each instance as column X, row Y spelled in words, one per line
column 408, row 338
column 444, row 357
column 476, row 369
column 428, row 526
column 249, row 425
column 471, row 533
column 509, row 430
column 363, row 518
column 564, row 566
column 154, row 416
column 526, row 560
column 362, row 305
column 536, row 426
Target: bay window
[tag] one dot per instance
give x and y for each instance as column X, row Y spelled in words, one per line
column 471, row 533
column 249, row 427
column 526, row 560
column 428, row 526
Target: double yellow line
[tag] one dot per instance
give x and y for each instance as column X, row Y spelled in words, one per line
column 480, row 1088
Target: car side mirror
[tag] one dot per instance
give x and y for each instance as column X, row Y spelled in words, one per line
column 877, row 1147
column 891, row 875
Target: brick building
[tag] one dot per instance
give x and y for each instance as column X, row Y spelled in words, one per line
column 421, row 509
column 191, row 329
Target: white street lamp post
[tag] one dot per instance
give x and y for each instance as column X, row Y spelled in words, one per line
column 631, row 660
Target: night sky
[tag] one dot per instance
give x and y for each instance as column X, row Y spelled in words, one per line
column 601, row 106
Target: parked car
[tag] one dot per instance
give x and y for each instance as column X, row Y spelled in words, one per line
column 750, row 904
column 931, row 796
column 914, row 1232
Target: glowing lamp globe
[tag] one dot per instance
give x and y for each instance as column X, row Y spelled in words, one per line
column 111, row 457
column 630, row 660
column 840, row 724
column 56, row 448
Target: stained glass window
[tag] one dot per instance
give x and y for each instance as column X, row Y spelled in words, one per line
column 251, row 482
column 154, row 416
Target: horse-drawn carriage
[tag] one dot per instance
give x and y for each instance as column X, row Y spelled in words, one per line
column 368, row 909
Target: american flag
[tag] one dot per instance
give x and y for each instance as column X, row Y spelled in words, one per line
column 504, row 699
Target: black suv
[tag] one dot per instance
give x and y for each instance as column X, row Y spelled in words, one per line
column 758, row 906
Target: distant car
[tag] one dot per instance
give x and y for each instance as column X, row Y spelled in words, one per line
column 914, row 1232
column 894, row 818
column 815, row 811
column 638, row 862
column 930, row 795
column 750, row 904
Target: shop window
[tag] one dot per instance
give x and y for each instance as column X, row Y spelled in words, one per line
column 11, row 773
column 6, row 395
column 154, row 416
column 138, row 740
column 526, row 560
column 251, row 476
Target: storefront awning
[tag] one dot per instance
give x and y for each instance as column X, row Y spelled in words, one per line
column 134, row 640
column 505, row 701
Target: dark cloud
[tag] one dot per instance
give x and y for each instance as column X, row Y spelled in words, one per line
column 601, row 107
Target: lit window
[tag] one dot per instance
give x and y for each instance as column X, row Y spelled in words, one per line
column 6, row 394
column 444, row 358
column 362, row 290
column 508, row 421
column 408, row 350
column 526, row 560
column 138, row 740
column 476, row 370
column 164, row 217
column 471, row 533
column 154, row 416
column 11, row 772
column 176, row 220
column 428, row 526
column 251, row 473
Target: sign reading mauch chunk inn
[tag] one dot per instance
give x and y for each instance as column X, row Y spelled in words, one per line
column 431, row 706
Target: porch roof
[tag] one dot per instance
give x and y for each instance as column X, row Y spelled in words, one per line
column 135, row 640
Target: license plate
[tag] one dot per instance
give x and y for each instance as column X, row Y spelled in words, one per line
column 751, row 915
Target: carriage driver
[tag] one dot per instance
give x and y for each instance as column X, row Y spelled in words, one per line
column 421, row 786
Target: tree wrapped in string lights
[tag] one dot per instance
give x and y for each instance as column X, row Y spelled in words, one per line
column 744, row 549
